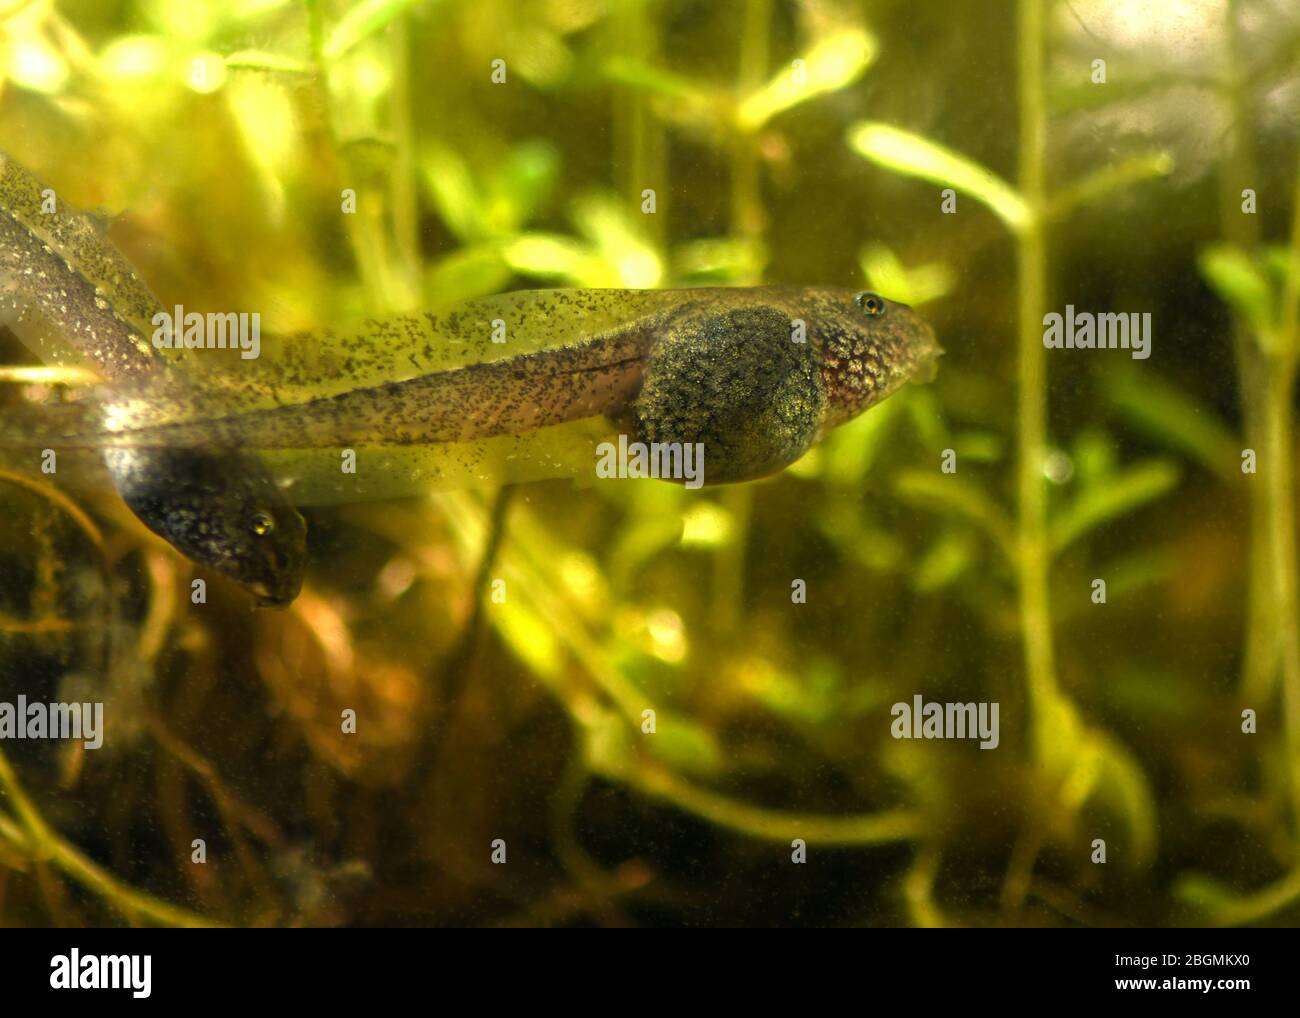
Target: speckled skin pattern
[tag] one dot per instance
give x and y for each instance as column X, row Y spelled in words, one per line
column 217, row 506
column 726, row 367
column 733, row 381
column 209, row 507
column 729, row 373
column 754, row 375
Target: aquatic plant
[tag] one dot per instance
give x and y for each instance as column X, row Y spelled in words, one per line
column 617, row 680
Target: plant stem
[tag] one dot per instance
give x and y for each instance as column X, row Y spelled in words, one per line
column 639, row 144
column 365, row 227
column 747, row 216
column 1280, row 431
column 1240, row 169
column 45, row 843
column 1035, row 606
column 747, row 221
column 1280, row 500
column 406, row 230
column 776, row 825
column 1279, row 497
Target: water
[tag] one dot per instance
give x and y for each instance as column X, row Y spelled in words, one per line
column 596, row 701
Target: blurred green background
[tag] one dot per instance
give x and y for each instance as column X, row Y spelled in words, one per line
column 786, row 143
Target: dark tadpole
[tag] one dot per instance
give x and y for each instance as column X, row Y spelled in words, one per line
column 60, row 275
column 220, row 509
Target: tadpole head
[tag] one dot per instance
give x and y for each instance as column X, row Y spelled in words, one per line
column 221, row 510
column 266, row 551
column 869, row 346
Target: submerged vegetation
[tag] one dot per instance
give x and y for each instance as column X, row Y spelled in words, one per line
column 501, row 650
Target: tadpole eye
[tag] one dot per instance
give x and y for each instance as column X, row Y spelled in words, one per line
column 263, row 523
column 872, row 303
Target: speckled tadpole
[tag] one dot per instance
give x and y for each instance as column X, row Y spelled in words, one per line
column 66, row 291
column 514, row 387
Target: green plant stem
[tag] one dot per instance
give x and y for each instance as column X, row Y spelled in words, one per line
column 1035, row 605
column 729, row 559
column 1261, row 904
column 527, row 564
column 528, row 571
column 406, row 228
column 365, row 227
column 747, row 216
column 1281, row 504
column 639, row 143
column 1280, row 498
column 1279, row 428
column 748, row 220
column 46, row 844
column 776, row 825
column 918, row 889
column 1259, row 663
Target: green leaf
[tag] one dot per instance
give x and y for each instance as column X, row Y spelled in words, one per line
column 469, row 272
column 945, row 562
column 629, row 260
column 530, row 639
column 455, row 195
column 644, row 537
column 1167, row 413
column 1277, row 259
column 718, row 260
column 552, row 256
column 851, row 449
column 959, row 498
column 1148, row 691
column 1095, row 456
column 651, row 79
column 979, row 447
column 1108, row 179
column 707, row 525
column 684, row 744
column 1241, row 285
column 1130, row 573
column 1112, row 498
column 835, row 61
column 607, row 747
column 1097, row 768
column 1206, row 893
column 814, row 694
column 926, row 415
column 359, row 23
column 1124, row 787
column 1078, row 95
column 873, row 547
column 1228, row 907
column 915, row 156
column 260, row 60
column 915, row 286
column 546, row 59
column 680, row 100
column 521, row 185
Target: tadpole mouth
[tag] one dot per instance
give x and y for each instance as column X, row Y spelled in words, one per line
column 927, row 357
column 280, row 595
